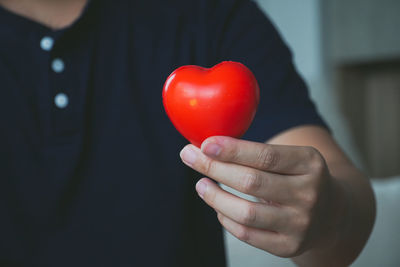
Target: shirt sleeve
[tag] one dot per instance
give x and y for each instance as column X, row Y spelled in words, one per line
column 243, row 33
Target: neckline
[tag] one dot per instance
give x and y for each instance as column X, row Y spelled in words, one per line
column 12, row 19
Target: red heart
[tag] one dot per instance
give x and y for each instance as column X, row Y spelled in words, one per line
column 205, row 102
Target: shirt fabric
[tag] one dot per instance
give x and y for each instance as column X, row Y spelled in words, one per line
column 89, row 167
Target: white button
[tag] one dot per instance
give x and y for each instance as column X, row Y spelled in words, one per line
column 47, row 43
column 58, row 65
column 61, row 100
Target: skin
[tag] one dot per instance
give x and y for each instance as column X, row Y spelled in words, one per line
column 314, row 205
column 55, row 14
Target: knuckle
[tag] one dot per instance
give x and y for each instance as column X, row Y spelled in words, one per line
column 309, row 199
column 290, row 247
column 310, row 151
column 233, row 154
column 303, row 223
column 242, row 234
column 249, row 215
column 208, row 166
column 268, row 158
column 318, row 167
column 210, row 197
column 317, row 162
column 293, row 248
column 251, row 183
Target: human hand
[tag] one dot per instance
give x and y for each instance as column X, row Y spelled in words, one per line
column 296, row 209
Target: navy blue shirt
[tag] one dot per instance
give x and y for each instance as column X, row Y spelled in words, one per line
column 89, row 167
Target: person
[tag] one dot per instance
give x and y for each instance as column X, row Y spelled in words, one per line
column 90, row 168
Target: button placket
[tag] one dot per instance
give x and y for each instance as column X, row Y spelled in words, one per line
column 46, row 43
column 61, row 100
column 57, row 65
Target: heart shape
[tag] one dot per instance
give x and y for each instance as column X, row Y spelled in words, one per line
column 203, row 102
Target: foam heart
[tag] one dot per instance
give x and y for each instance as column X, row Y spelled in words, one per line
column 203, row 102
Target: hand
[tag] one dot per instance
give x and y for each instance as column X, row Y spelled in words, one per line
column 296, row 208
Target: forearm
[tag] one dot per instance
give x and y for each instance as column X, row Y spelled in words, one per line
column 353, row 215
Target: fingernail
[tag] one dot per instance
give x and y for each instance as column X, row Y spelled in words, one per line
column 188, row 155
column 201, row 188
column 212, row 149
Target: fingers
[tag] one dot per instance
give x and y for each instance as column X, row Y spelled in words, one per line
column 242, row 178
column 295, row 179
column 273, row 158
column 252, row 214
column 275, row 243
column 278, row 230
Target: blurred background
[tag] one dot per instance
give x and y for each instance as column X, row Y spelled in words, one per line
column 349, row 54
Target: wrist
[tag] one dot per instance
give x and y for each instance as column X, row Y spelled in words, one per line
column 336, row 216
column 334, row 229
column 341, row 212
